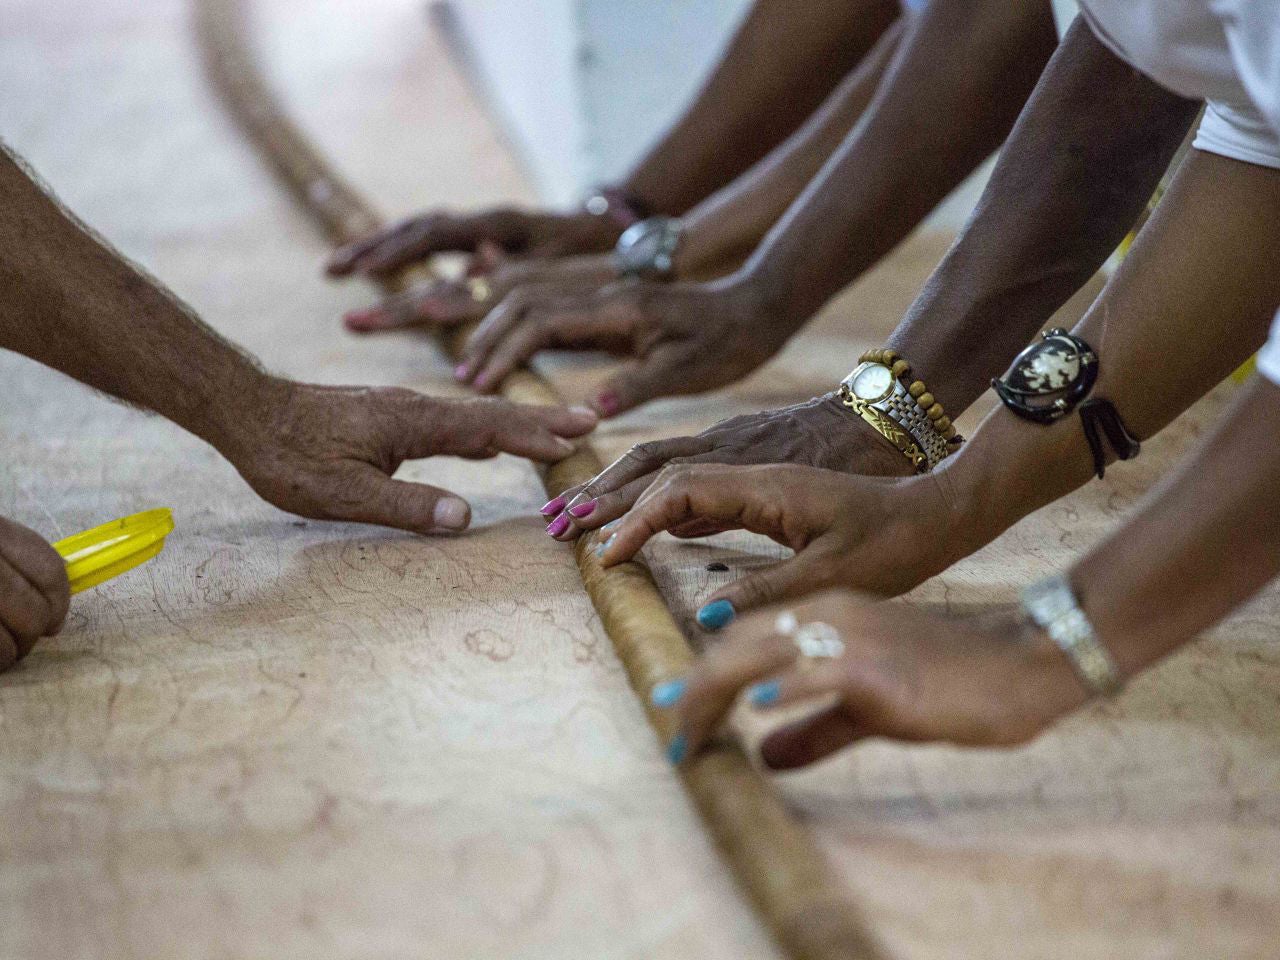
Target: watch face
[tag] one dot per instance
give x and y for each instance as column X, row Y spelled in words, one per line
column 871, row 382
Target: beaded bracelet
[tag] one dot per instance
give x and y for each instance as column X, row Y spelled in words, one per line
column 919, row 392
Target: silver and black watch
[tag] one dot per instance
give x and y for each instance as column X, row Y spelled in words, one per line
column 647, row 249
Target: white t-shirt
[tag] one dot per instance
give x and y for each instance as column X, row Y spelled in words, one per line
column 1225, row 52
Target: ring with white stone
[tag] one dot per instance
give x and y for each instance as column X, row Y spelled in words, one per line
column 815, row 640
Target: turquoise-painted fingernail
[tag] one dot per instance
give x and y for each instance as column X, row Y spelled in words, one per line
column 611, row 526
column 763, row 694
column 677, row 748
column 605, row 546
column 716, row 614
column 667, row 693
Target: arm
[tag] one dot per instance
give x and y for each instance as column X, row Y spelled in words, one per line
column 728, row 225
column 1176, row 567
column 1191, row 301
column 949, row 95
column 743, row 111
column 718, row 234
column 327, row 452
column 740, row 114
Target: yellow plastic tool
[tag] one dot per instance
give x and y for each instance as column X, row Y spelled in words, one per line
column 107, row 551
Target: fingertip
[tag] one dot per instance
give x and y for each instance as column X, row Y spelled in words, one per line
column 607, row 403
column 716, row 615
column 451, row 513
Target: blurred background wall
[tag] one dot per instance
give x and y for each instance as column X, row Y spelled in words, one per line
column 581, row 87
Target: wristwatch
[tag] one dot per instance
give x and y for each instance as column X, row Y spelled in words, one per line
column 647, row 249
column 1052, row 606
column 887, row 404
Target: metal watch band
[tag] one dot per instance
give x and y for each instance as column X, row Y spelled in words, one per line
column 899, row 407
column 1052, row 606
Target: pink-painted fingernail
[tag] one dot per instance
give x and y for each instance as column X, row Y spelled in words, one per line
column 583, row 510
column 481, row 381
column 359, row 318
column 558, row 526
column 552, row 507
column 608, row 403
column 460, row 372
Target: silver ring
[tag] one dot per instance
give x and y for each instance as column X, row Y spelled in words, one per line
column 815, row 640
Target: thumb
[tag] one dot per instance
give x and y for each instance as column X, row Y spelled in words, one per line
column 660, row 374
column 795, row 577
column 416, row 507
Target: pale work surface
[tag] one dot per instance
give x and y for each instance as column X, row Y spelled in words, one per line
column 296, row 739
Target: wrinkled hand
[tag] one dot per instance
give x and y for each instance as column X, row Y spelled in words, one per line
column 34, row 592
column 515, row 232
column 329, row 452
column 875, row 534
column 445, row 303
column 904, row 674
column 685, row 337
column 817, row 433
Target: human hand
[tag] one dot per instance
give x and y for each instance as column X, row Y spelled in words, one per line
column 874, row 534
column 329, row 452
column 34, row 591
column 684, row 337
column 903, row 674
column 818, row 433
column 444, row 303
column 515, row 232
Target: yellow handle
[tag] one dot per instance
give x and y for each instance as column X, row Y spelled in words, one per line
column 97, row 555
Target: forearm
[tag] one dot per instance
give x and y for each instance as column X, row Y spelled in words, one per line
column 1079, row 167
column 1204, row 541
column 956, row 84
column 74, row 304
column 743, row 111
column 727, row 226
column 1191, row 301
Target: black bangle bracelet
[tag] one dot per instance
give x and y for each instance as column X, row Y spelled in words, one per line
column 1049, row 378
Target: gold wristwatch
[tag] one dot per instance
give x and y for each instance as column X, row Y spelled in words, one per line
column 903, row 412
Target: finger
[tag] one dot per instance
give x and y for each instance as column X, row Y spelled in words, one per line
column 663, row 373
column 360, row 254
column 809, row 740
column 642, row 459
column 714, row 684
column 496, row 325
column 804, row 681
column 41, row 566
column 589, row 513
column 483, row 428
column 511, row 352
column 24, row 611
column 440, row 305
column 728, row 496
column 10, row 652
column 417, row 507
column 797, row 576
column 487, row 258
column 578, row 518
column 540, row 433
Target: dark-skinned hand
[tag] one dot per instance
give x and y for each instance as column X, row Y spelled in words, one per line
column 990, row 681
column 514, row 232
column 879, row 535
column 818, row 433
column 682, row 338
column 444, row 303
column 34, row 592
